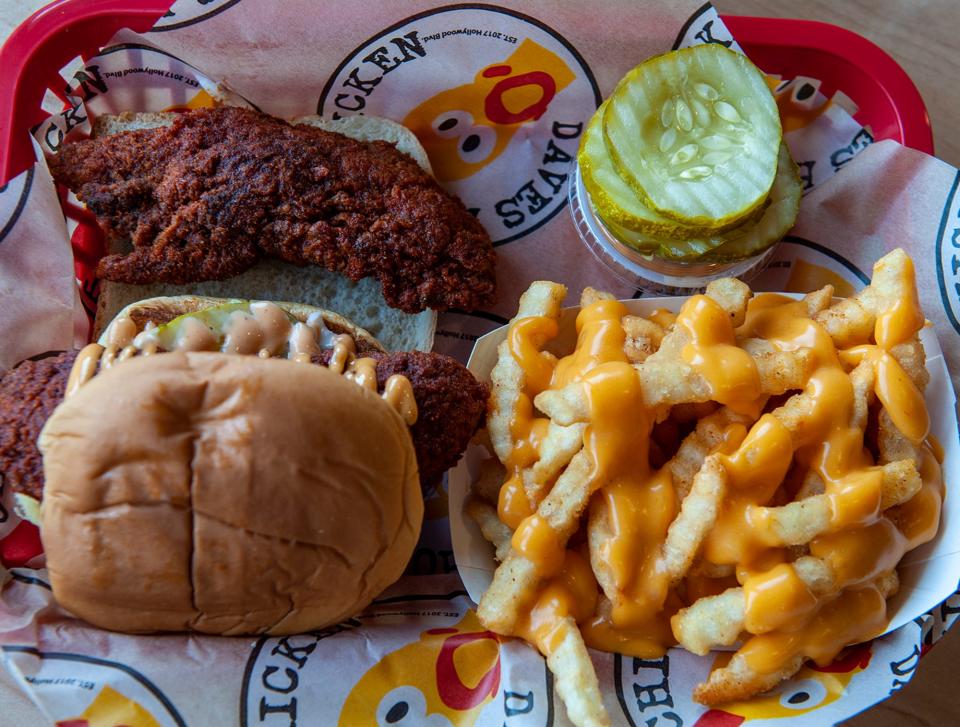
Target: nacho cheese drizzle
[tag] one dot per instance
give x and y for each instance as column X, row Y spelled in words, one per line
column 784, row 619
column 265, row 330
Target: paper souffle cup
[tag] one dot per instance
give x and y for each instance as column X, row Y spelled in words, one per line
column 648, row 272
column 928, row 574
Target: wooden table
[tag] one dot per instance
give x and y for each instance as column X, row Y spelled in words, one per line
column 921, row 37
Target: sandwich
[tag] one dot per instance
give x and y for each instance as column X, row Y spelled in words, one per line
column 230, row 466
column 231, row 202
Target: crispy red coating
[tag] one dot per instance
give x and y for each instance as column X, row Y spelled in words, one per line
column 28, row 395
column 207, row 197
column 451, row 404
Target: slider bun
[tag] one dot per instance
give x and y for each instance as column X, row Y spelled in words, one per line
column 226, row 495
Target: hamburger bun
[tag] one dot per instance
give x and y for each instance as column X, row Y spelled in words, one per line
column 226, row 495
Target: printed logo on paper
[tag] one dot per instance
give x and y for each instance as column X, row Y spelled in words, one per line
column 810, row 689
column 406, row 661
column 799, row 266
column 445, row 677
column 128, row 76
column 85, row 691
column 189, row 12
column 498, row 99
column 13, row 198
column 948, row 255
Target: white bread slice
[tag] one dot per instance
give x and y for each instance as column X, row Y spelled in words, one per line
column 361, row 302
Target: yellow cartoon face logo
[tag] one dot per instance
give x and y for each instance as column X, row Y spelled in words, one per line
column 202, row 100
column 806, row 276
column 799, row 105
column 111, row 709
column 443, row 679
column 811, row 689
column 497, row 98
column 465, row 128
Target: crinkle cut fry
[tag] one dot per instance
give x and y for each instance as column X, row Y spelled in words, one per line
column 698, row 514
column 557, row 448
column 494, row 531
column 589, row 296
column 818, row 300
column 678, row 551
column 516, row 580
column 730, row 294
column 542, row 298
column 851, row 320
column 672, row 381
column 643, row 338
column 716, row 621
column 695, row 447
column 801, row 521
column 702, row 626
column 489, row 481
column 576, row 680
column 737, row 681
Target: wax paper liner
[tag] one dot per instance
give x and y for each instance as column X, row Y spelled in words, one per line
column 418, row 656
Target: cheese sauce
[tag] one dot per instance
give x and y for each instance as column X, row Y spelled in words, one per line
column 822, row 431
column 265, row 329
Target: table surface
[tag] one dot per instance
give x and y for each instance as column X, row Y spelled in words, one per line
column 920, row 35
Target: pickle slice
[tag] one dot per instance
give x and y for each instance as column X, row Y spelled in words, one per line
column 776, row 221
column 615, row 201
column 745, row 241
column 696, row 133
column 214, row 318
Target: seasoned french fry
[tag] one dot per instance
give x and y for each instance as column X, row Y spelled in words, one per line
column 490, row 479
column 697, row 515
column 576, row 681
column 709, row 433
column 671, row 381
column 516, row 580
column 818, row 300
column 803, row 520
column 738, row 680
column 556, row 450
column 495, row 532
column 733, row 296
column 565, row 406
column 851, row 321
column 643, row 338
column 590, row 296
column 718, row 620
column 542, row 298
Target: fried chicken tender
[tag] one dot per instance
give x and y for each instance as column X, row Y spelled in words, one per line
column 450, row 403
column 205, row 198
column 28, row 395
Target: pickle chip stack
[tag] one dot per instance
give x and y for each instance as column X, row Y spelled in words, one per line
column 686, row 160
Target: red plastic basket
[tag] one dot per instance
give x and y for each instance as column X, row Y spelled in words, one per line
column 36, row 51
column 32, row 58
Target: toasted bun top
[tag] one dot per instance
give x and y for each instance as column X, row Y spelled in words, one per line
column 225, row 494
